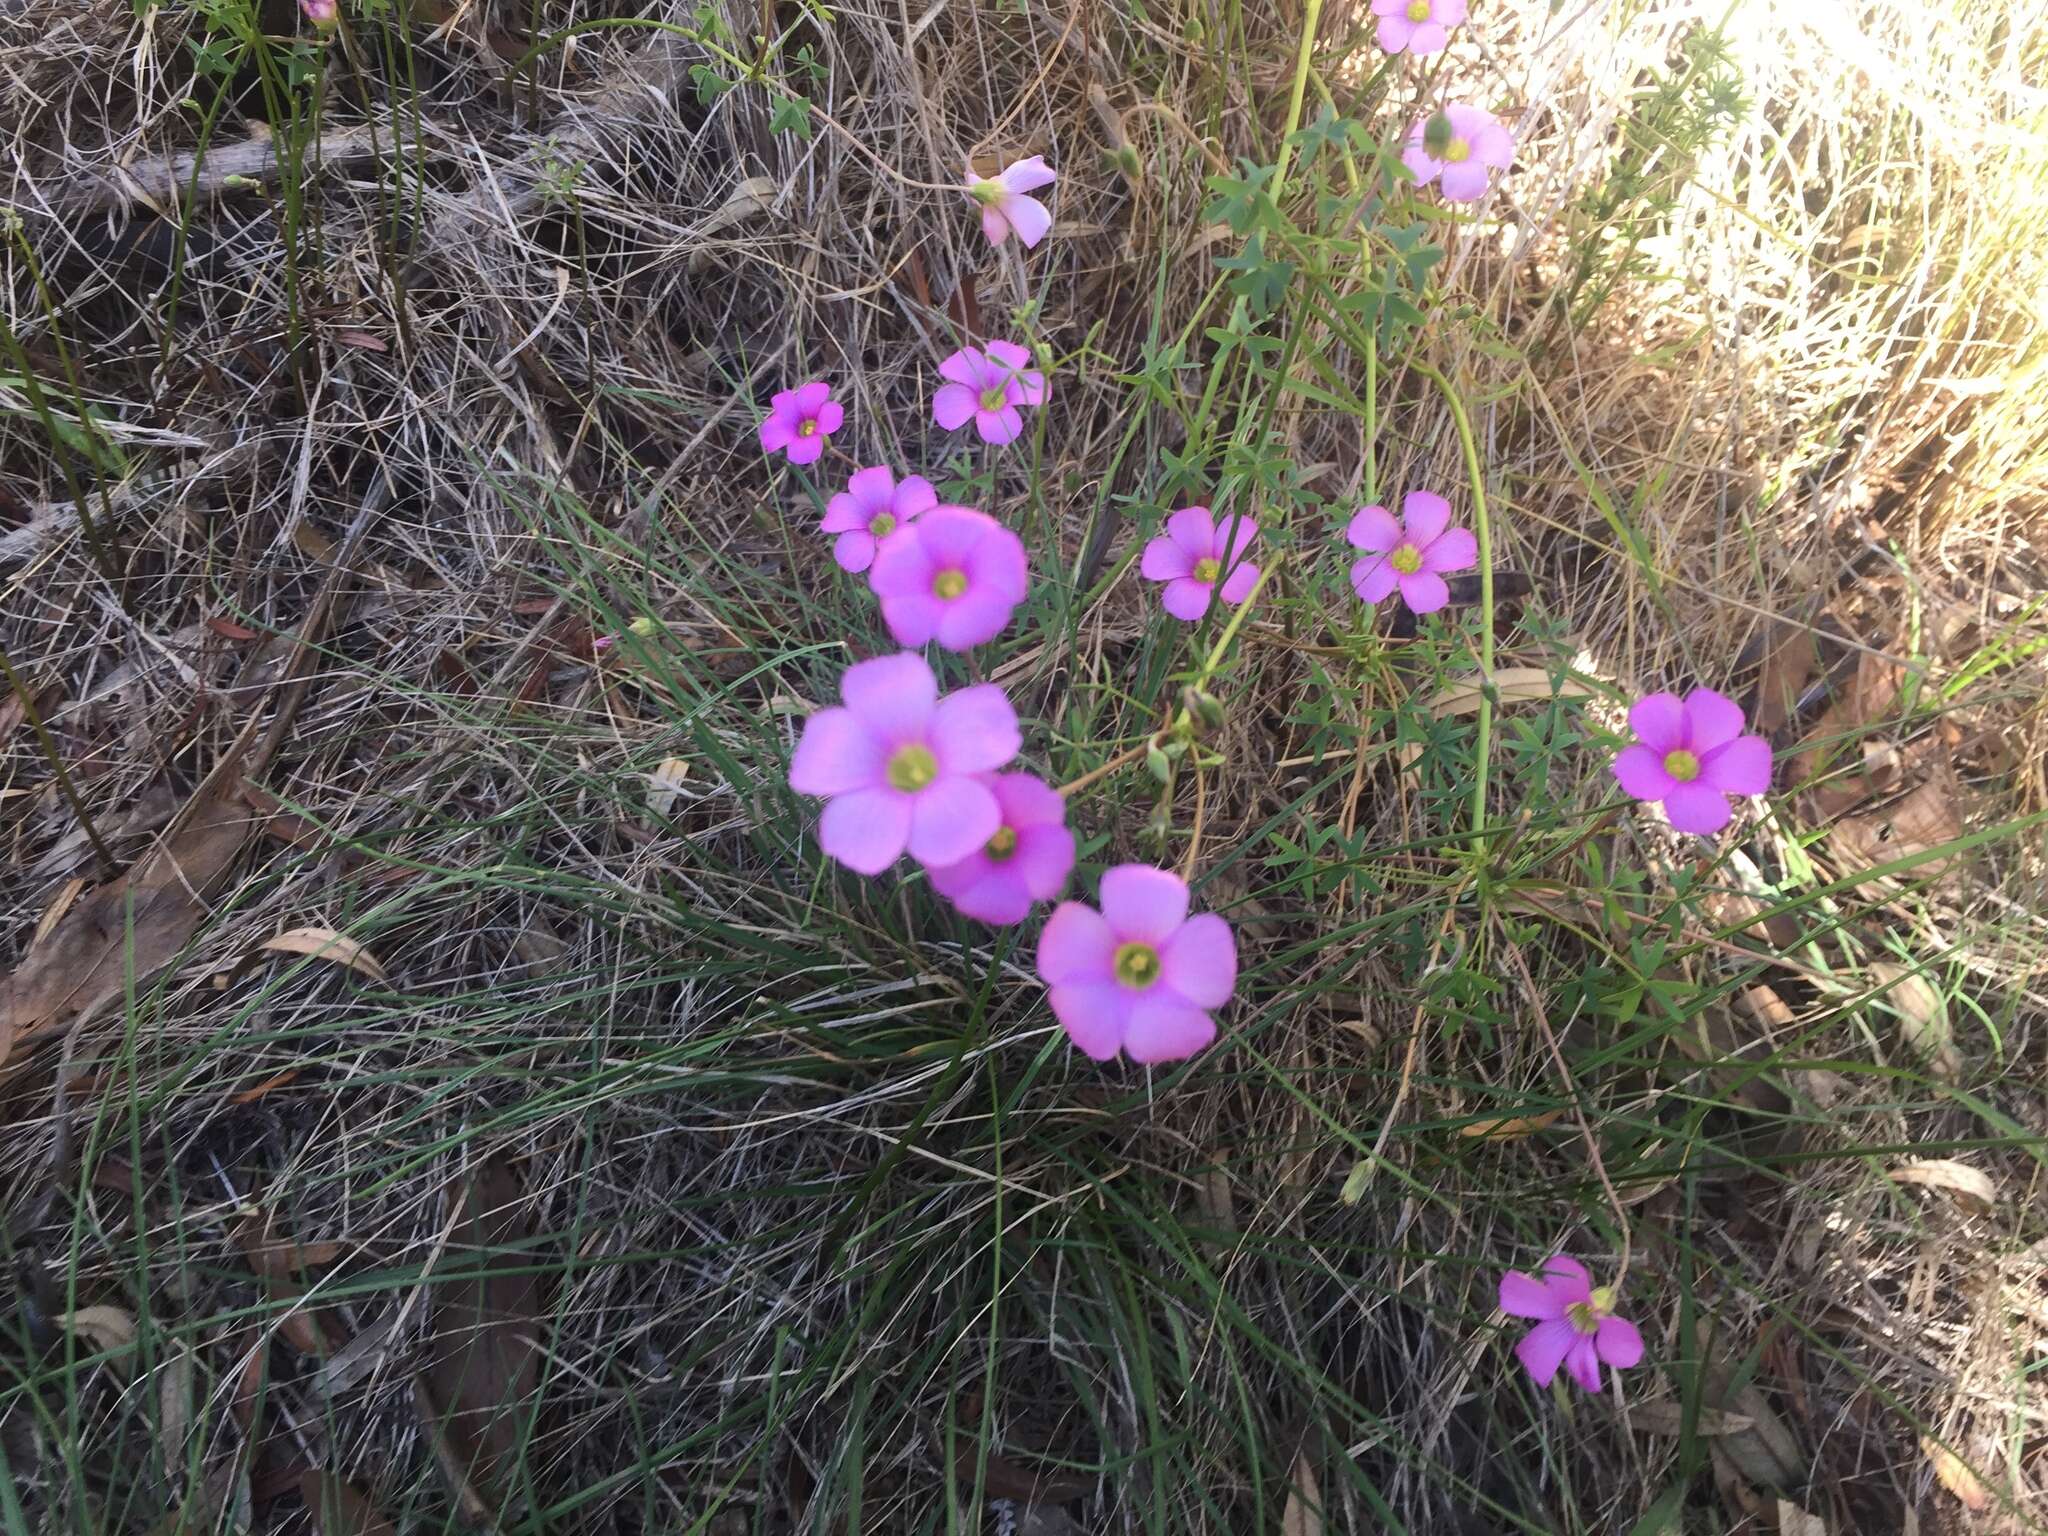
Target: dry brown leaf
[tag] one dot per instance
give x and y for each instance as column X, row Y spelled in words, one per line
column 1666, row 1416
column 269, row 1085
column 665, row 786
column 1794, row 657
column 326, row 944
column 1922, row 821
column 338, row 1509
column 109, row 1327
column 1303, row 1515
column 274, row 1263
column 1794, row 1521
column 1511, row 1127
column 1972, row 1184
column 1956, row 1475
column 484, row 1358
column 1923, row 1017
column 1868, row 699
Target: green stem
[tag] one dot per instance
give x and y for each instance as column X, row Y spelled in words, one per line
column 1484, row 528
column 1309, row 23
column 1237, row 618
column 109, row 866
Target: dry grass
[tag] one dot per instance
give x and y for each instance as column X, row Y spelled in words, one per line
column 829, row 1228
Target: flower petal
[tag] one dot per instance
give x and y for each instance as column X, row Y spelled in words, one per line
column 951, row 820
column 1425, row 515
column 1395, row 33
column 810, row 398
column 998, row 562
column 1043, row 860
column 893, row 695
column 1423, row 592
column 1008, row 356
column 1544, row 1347
column 1076, row 945
column 872, row 489
column 999, row 427
column 1739, row 767
column 954, row 405
column 1237, row 586
column 1525, row 1296
column 831, row 417
column 995, row 895
column 1236, row 535
column 1194, row 530
column 1658, row 719
column 1028, row 175
column 1188, row 599
column 1583, row 1361
column 1375, row 529
column 1373, row 578
column 1619, row 1342
column 866, row 830
column 836, row 753
column 1163, row 1028
column 1642, row 774
column 854, row 550
column 975, row 617
column 913, row 497
column 1428, row 37
column 1143, row 903
column 1028, row 801
column 1698, row 808
column 1567, row 1278
column 966, row 367
column 1455, row 549
column 913, row 618
column 1465, row 182
column 807, row 450
column 843, row 514
column 974, row 730
column 1199, row 960
column 995, row 223
column 1711, row 720
column 1164, row 559
column 1094, row 1015
column 1030, row 219
column 1419, row 164
column 776, row 433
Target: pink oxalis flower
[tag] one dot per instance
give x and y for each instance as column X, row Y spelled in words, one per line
column 1475, row 146
column 1005, row 210
column 987, row 386
column 1027, row 860
column 1575, row 1323
column 1417, row 26
column 873, row 506
column 799, row 421
column 1411, row 554
column 321, row 13
column 954, row 576
column 900, row 767
column 1140, row 975
column 1691, row 755
column 1191, row 557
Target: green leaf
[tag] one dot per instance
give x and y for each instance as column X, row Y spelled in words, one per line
column 792, row 115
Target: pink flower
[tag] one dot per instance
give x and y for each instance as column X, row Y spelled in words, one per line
column 799, row 421
column 955, row 576
column 1190, row 558
column 1005, row 210
column 1140, row 975
column 1576, row 1325
column 1410, row 554
column 1478, row 145
column 872, row 507
column 899, row 766
column 1692, row 756
column 321, row 13
column 988, row 386
column 1027, row 860
column 1417, row 26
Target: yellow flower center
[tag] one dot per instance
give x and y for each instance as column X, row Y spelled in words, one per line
column 1682, row 765
column 1136, row 965
column 808, row 427
column 1418, row 10
column 1407, row 559
column 1586, row 1316
column 995, row 397
column 1458, row 151
column 882, row 524
column 1207, row 570
column 948, row 585
column 1003, row 845
column 912, row 767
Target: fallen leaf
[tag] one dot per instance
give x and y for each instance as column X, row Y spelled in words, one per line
column 1794, row 1521
column 1868, row 699
column 362, row 340
column 1666, row 1416
column 1919, row 823
column 1922, row 1013
column 275, row 1263
column 1787, row 669
column 665, row 786
column 1956, row 1475
column 326, row 944
column 1303, row 1515
column 109, row 1327
column 1943, row 1173
column 1511, row 1127
column 268, row 1085
column 753, row 196
column 338, row 1509
column 483, row 1357
column 228, row 629
column 59, row 905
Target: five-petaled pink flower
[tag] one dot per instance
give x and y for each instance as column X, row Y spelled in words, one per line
column 1692, row 756
column 1411, row 554
column 1027, row 860
column 988, row 386
column 955, row 576
column 1475, row 147
column 321, row 13
column 873, row 506
column 1005, row 210
column 1140, row 975
column 1192, row 557
column 1417, row 26
column 900, row 767
column 799, row 421
column 1576, row 1326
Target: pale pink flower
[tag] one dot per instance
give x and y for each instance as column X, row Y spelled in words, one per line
column 1417, row 26
column 900, row 767
column 321, row 13
column 1027, row 860
column 1477, row 147
column 1191, row 558
column 987, row 386
column 1692, row 756
column 1005, row 210
column 1140, row 975
column 1576, row 1326
column 954, row 576
column 799, row 421
column 873, row 506
column 1411, row 554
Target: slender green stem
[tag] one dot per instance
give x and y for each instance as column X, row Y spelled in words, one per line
column 108, row 864
column 1310, row 21
column 1484, row 528
column 1237, row 618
